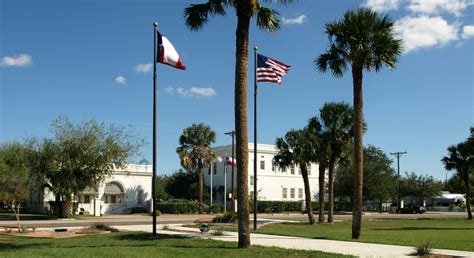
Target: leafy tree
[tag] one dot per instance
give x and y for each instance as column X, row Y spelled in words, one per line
column 297, row 147
column 321, row 156
column 461, row 158
column 197, row 15
column 14, row 176
column 79, row 156
column 363, row 40
column 195, row 152
column 175, row 182
column 420, row 187
column 380, row 181
column 456, row 184
column 337, row 129
column 160, row 186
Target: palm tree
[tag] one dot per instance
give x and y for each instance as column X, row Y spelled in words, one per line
column 197, row 15
column 297, row 147
column 321, row 155
column 337, row 129
column 364, row 40
column 461, row 158
column 195, row 151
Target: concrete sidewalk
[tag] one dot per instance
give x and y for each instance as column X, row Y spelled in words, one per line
column 330, row 246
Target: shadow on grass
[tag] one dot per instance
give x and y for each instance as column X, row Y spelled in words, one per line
column 422, row 228
column 142, row 236
column 13, row 246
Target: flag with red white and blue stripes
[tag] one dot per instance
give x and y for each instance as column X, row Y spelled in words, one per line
column 270, row 70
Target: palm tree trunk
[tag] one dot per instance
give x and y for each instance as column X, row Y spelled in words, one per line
column 332, row 164
column 201, row 187
column 358, row 151
column 307, row 193
column 67, row 206
column 468, row 195
column 322, row 172
column 240, row 109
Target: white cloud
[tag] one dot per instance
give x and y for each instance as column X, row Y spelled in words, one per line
column 298, row 20
column 382, row 5
column 192, row 92
column 424, row 32
column 143, row 68
column 120, row 80
column 16, row 60
column 467, row 31
column 169, row 90
column 455, row 7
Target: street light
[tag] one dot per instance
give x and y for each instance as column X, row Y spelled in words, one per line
column 232, row 134
column 398, row 154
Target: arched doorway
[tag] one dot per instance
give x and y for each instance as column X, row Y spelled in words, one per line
column 113, row 199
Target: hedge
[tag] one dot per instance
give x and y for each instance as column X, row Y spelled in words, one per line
column 280, row 206
column 179, row 207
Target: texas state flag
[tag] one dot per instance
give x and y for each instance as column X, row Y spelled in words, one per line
column 168, row 54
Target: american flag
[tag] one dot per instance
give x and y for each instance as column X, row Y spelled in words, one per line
column 270, row 70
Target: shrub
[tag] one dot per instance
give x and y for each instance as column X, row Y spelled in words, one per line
column 135, row 210
column 103, row 227
column 23, row 229
column 8, row 230
column 215, row 209
column 218, row 232
column 423, row 249
column 166, row 227
column 228, row 217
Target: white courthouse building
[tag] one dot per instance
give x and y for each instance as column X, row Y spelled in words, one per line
column 273, row 183
column 124, row 189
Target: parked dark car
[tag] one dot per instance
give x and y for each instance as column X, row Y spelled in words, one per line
column 412, row 209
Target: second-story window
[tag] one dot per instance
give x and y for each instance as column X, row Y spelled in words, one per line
column 251, row 180
column 292, row 169
column 214, row 168
column 309, row 169
column 262, row 164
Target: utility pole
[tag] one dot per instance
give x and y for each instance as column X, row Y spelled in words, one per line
column 398, row 155
column 232, row 134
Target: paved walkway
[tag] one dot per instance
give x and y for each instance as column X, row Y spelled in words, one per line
column 330, row 246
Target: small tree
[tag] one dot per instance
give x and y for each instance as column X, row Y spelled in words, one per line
column 175, row 182
column 195, row 152
column 420, row 187
column 380, row 180
column 14, row 177
column 297, row 147
column 79, row 156
column 461, row 159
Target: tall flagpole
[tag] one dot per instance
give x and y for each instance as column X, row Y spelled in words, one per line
column 153, row 179
column 255, row 141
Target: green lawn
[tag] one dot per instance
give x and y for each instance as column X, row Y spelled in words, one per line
column 457, row 234
column 137, row 245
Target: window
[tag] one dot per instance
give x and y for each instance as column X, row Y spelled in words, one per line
column 262, row 164
column 309, row 169
column 113, row 199
column 300, row 193
column 284, row 193
column 87, row 199
column 214, row 169
column 292, row 193
column 292, row 169
column 251, row 180
column 273, row 167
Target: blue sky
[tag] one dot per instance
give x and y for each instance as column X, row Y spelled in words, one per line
column 90, row 60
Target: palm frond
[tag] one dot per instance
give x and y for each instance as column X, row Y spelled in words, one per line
column 197, row 15
column 267, row 19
